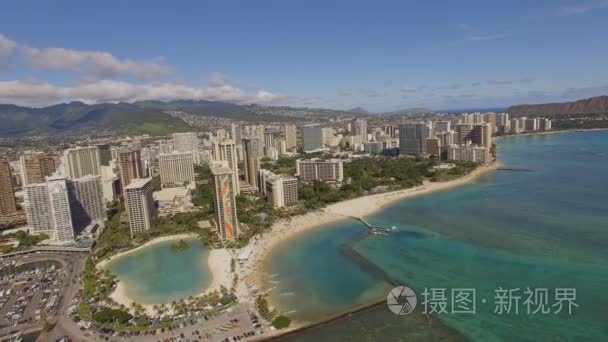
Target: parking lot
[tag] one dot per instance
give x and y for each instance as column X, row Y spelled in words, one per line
column 235, row 324
column 32, row 289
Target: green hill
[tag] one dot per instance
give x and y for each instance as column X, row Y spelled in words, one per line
column 121, row 117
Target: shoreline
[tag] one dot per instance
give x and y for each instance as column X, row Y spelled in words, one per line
column 103, row 263
column 288, row 229
column 218, row 264
column 550, row 132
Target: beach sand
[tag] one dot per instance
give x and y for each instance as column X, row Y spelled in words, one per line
column 358, row 207
column 290, row 228
column 283, row 230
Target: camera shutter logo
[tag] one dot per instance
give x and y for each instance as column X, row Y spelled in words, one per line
column 401, row 300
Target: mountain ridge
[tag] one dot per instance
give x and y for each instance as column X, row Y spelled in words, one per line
column 592, row 105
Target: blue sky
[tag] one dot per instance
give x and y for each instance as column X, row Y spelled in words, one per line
column 339, row 54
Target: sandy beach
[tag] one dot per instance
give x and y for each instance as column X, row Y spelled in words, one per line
column 218, row 263
column 551, row 132
column 358, row 207
column 290, row 228
column 283, row 230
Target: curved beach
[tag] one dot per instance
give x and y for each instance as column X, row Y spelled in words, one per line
column 218, row 262
column 287, row 229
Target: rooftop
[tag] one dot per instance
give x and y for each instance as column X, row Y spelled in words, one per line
column 220, row 170
column 138, row 183
column 168, row 194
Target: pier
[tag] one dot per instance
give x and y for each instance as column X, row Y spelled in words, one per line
column 376, row 230
column 514, row 170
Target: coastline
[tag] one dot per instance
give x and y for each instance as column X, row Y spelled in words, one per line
column 218, row 260
column 218, row 263
column 288, row 229
column 551, row 132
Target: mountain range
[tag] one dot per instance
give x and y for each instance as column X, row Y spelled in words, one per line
column 593, row 105
column 142, row 116
column 151, row 116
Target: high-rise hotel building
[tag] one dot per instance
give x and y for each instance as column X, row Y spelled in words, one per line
column 82, row 161
column 252, row 160
column 478, row 134
column 331, row 170
column 62, row 207
column 48, row 210
column 312, row 138
column 7, row 192
column 130, row 166
column 290, row 136
column 140, row 205
column 412, row 138
column 176, row 168
column 225, row 203
column 359, row 127
column 225, row 150
column 86, row 201
column 36, row 167
column 280, row 190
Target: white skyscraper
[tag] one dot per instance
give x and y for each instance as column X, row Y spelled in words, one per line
column 37, row 207
column 60, row 213
column 47, row 208
column 86, row 201
column 82, row 161
column 290, row 136
column 176, row 168
column 187, row 142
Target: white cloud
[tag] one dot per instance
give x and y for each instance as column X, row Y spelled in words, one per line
column 345, row 92
column 408, row 89
column 477, row 38
column 581, row 8
column 6, row 45
column 96, row 63
column 37, row 93
column 218, row 79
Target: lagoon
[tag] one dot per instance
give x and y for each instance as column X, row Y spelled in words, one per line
column 158, row 274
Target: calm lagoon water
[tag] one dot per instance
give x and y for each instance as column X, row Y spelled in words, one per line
column 542, row 228
column 156, row 274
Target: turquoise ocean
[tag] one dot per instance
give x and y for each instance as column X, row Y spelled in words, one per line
column 541, row 223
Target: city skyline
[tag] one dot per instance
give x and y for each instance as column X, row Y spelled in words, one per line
column 477, row 55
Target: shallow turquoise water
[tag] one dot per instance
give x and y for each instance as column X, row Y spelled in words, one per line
column 546, row 228
column 156, row 274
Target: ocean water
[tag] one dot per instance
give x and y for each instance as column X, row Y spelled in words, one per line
column 541, row 225
column 156, row 274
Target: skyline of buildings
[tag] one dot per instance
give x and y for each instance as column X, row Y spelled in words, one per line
column 466, row 137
